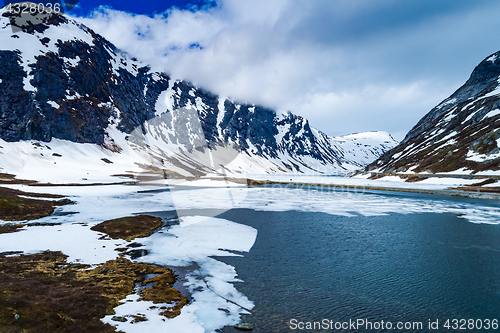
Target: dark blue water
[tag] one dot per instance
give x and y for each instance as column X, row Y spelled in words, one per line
column 397, row 268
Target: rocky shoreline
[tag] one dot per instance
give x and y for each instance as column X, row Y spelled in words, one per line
column 45, row 292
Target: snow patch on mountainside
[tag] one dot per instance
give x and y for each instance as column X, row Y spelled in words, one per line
column 460, row 135
column 362, row 148
column 62, row 161
column 32, row 45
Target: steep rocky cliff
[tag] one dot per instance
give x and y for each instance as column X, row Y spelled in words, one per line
column 461, row 134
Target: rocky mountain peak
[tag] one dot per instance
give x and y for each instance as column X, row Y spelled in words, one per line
column 460, row 134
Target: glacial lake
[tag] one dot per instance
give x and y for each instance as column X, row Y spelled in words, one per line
column 417, row 267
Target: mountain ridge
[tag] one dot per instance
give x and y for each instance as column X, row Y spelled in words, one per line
column 61, row 80
column 459, row 135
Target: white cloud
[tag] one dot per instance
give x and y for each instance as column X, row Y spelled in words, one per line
column 385, row 106
column 347, row 67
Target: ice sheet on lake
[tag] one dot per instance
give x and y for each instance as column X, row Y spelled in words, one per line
column 216, row 302
column 103, row 202
column 194, row 240
column 338, row 202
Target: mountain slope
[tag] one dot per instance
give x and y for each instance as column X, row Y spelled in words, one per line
column 60, row 81
column 460, row 134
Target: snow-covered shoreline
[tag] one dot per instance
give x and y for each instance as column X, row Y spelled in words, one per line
column 193, row 241
column 432, row 185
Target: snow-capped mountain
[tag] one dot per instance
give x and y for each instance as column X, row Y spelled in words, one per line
column 70, row 98
column 461, row 134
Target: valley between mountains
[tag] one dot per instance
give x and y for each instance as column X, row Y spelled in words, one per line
column 114, row 178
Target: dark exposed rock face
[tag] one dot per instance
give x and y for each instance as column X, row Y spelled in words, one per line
column 87, row 94
column 16, row 104
column 239, row 124
column 458, row 133
column 256, row 129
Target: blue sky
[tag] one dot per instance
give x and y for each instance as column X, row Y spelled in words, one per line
column 348, row 66
column 139, row 7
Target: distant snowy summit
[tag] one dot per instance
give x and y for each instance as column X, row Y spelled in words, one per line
column 460, row 135
column 70, row 99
